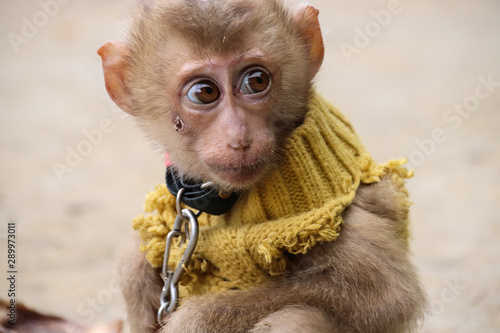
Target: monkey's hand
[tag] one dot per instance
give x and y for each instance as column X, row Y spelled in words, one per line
column 362, row 282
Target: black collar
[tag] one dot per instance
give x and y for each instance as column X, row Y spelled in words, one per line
column 206, row 200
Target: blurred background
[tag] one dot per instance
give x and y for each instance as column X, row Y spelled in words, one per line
column 419, row 79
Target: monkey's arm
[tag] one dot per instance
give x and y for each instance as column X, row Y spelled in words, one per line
column 141, row 287
column 362, row 282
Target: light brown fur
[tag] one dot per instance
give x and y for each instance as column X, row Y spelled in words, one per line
column 141, row 286
column 363, row 281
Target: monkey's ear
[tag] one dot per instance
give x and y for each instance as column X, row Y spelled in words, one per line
column 115, row 67
column 306, row 19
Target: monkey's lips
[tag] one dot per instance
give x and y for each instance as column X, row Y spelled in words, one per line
column 240, row 174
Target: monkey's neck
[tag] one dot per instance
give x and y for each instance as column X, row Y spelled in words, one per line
column 299, row 205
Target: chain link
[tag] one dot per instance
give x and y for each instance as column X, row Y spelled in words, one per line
column 186, row 227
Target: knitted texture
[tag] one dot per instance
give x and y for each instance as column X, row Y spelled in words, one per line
column 297, row 207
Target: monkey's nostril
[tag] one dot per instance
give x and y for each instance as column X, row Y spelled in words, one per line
column 239, row 145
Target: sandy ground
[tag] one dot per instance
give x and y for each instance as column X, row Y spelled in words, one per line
column 402, row 83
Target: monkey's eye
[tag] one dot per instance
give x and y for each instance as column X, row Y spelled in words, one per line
column 204, row 92
column 254, row 82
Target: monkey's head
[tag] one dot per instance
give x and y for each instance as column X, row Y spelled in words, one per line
column 219, row 84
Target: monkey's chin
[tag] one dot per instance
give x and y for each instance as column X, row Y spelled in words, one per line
column 238, row 178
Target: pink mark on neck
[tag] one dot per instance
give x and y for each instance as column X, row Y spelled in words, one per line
column 167, row 160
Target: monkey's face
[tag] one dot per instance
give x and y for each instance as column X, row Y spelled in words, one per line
column 223, row 114
column 219, row 94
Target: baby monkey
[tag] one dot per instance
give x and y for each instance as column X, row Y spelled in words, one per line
column 316, row 240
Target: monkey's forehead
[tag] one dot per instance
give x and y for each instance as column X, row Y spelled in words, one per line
column 215, row 25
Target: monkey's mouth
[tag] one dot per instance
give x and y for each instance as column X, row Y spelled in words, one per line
column 238, row 168
column 239, row 174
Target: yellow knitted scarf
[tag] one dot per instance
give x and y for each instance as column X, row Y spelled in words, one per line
column 298, row 206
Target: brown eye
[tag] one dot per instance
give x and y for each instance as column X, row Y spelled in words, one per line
column 204, row 92
column 254, row 82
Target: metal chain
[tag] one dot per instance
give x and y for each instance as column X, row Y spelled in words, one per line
column 186, row 227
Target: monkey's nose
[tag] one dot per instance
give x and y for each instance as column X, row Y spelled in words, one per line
column 240, row 144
